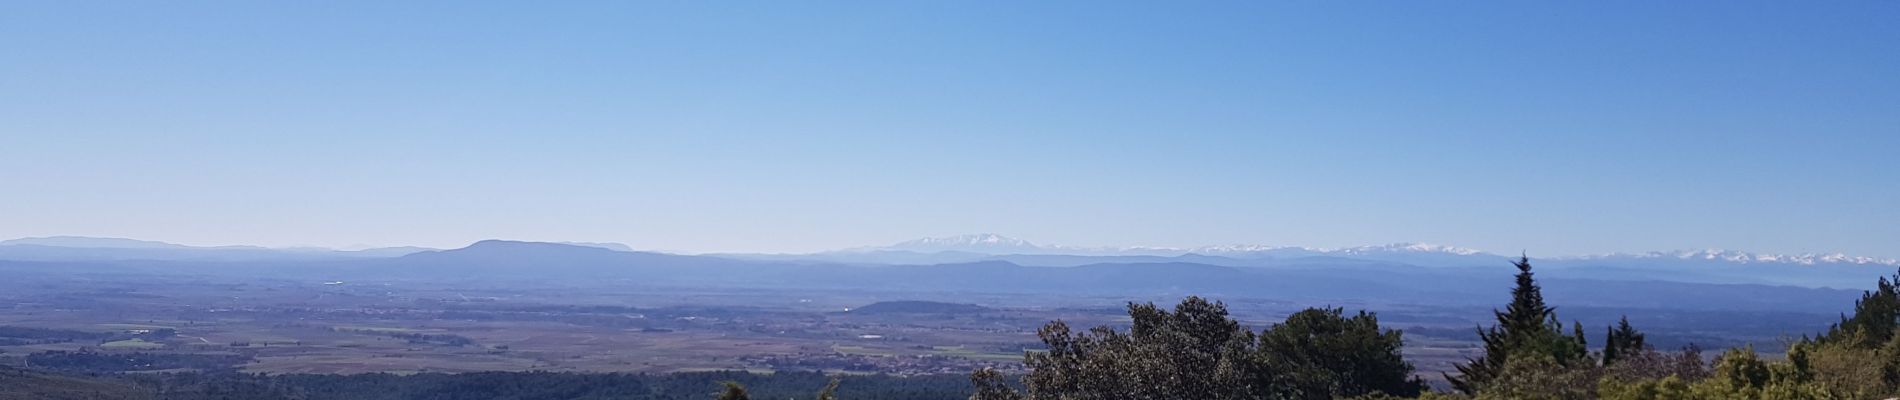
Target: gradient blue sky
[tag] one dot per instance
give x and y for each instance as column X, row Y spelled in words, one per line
column 1553, row 127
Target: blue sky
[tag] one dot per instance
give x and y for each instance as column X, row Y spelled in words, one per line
column 1551, row 127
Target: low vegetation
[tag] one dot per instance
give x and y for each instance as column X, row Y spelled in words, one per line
column 18, row 335
column 414, row 338
column 110, row 362
column 1197, row 352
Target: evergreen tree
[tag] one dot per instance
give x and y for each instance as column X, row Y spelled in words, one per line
column 1198, row 352
column 1576, row 335
column 1322, row 354
column 733, row 392
column 1622, row 341
column 1526, row 327
column 1163, row 355
column 1874, row 318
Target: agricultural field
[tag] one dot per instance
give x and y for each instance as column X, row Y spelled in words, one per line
column 296, row 326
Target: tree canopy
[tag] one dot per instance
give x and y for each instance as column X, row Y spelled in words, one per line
column 1621, row 340
column 1197, row 351
column 1526, row 328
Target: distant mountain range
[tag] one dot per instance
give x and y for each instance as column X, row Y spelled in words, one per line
column 1319, row 280
column 83, row 248
column 92, row 242
column 979, row 246
column 1706, row 266
column 79, row 248
column 1742, row 257
column 1433, row 275
column 989, row 243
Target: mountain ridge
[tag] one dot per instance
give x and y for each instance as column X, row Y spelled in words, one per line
column 948, row 249
column 989, row 243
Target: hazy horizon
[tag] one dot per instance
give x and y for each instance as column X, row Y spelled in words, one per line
column 1558, row 129
column 1042, row 248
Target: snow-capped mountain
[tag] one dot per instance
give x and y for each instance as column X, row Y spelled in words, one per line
column 1743, row 257
column 994, row 244
column 1409, row 248
column 1412, row 253
column 980, row 239
column 1241, row 248
column 984, row 243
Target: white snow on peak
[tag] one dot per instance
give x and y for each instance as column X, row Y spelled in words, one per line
column 990, row 239
column 1744, row 257
column 1410, row 247
column 994, row 242
column 1388, row 248
column 999, row 244
column 1243, row 248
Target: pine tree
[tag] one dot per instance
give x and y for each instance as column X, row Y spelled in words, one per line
column 1576, row 335
column 1622, row 341
column 1874, row 317
column 1526, row 328
column 733, row 392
